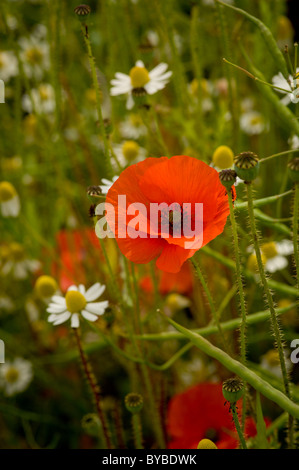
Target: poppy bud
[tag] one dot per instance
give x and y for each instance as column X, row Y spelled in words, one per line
column 91, row 424
column 206, row 444
column 247, row 166
column 134, row 402
column 293, row 168
column 233, row 389
column 228, row 178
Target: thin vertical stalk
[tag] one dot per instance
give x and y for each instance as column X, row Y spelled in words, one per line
column 238, row 427
column 136, row 425
column 274, row 320
column 295, row 229
column 95, row 390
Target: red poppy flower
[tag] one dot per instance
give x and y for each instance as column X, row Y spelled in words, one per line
column 181, row 282
column 199, row 413
column 181, row 180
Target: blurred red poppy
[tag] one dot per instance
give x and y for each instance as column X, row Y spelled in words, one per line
column 199, row 413
column 181, row 282
column 183, row 180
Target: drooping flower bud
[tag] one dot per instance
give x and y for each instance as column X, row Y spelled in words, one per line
column 247, row 166
column 233, row 389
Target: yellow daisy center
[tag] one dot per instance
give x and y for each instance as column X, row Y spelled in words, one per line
column 269, row 250
column 272, row 357
column 223, row 157
column 75, row 301
column 130, row 150
column 12, row 375
column 34, row 55
column 7, row 191
column 45, row 286
column 256, row 120
column 44, row 92
column 206, row 444
column 139, row 77
column 252, row 262
column 17, row 252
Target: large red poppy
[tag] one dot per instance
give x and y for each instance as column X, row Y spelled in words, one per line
column 199, row 413
column 181, row 180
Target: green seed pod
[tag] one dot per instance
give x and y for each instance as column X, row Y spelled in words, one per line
column 82, row 11
column 247, row 166
column 233, row 389
column 134, row 402
column 228, row 178
column 293, row 168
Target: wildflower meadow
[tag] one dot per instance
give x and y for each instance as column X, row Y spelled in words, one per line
column 149, row 205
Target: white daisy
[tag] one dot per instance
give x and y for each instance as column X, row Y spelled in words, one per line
column 6, row 304
column 107, row 184
column 132, row 127
column 253, row 123
column 140, row 79
column 35, row 55
column 291, row 87
column 15, row 376
column 276, row 254
column 8, row 65
column 128, row 152
column 9, row 200
column 294, row 142
column 43, row 99
column 77, row 301
column 17, row 264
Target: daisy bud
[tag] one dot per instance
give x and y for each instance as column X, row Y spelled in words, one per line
column 82, row 10
column 45, row 287
column 228, row 178
column 206, row 444
column 247, row 166
column 134, row 402
column 233, row 389
column 293, row 168
column 223, row 157
column 91, row 424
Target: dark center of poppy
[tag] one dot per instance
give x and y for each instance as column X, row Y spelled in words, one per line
column 211, row 434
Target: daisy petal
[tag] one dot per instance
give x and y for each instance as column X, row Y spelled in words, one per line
column 89, row 316
column 158, row 70
column 98, row 308
column 75, row 320
column 55, row 309
column 61, row 318
column 94, row 292
column 73, row 288
column 58, row 300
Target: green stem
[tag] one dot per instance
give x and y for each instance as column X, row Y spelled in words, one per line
column 91, row 59
column 94, row 389
column 241, row 294
column 238, row 427
column 136, row 425
column 209, row 297
column 274, row 320
column 295, row 229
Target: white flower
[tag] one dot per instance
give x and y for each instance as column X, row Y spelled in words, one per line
column 9, row 200
column 16, row 262
column 6, row 304
column 8, row 65
column 15, row 376
column 294, row 142
column 276, row 254
column 253, row 123
column 291, row 87
column 43, row 99
column 77, row 301
column 140, row 78
column 128, row 152
column 106, row 184
column 132, row 127
column 35, row 55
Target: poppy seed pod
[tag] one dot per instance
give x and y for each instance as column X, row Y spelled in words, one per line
column 233, row 389
column 293, row 168
column 247, row 165
column 228, row 178
column 82, row 10
column 134, row 402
